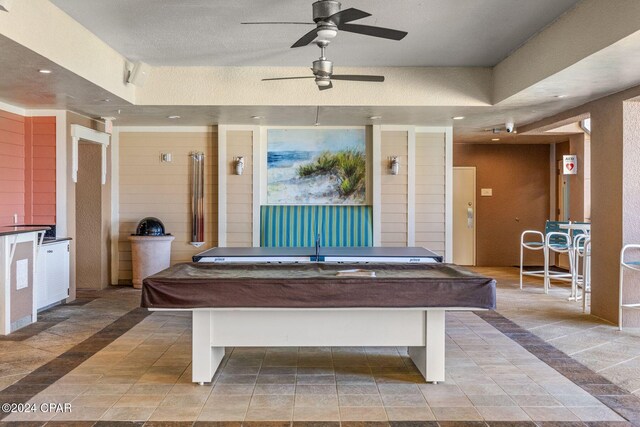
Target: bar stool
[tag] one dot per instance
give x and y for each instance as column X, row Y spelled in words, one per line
column 557, row 242
column 586, row 273
column 577, row 280
column 535, row 241
column 630, row 265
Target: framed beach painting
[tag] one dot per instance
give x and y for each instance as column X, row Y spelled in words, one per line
column 312, row 166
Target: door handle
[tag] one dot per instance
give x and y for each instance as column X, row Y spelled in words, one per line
column 470, row 217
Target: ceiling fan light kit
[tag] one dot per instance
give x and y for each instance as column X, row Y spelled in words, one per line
column 329, row 19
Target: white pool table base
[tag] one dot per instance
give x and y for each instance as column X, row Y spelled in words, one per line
column 422, row 330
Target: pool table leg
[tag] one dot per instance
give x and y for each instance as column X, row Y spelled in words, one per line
column 430, row 359
column 205, row 358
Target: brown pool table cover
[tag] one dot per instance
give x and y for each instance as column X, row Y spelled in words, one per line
column 208, row 285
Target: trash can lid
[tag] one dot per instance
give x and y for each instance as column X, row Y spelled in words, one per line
column 150, row 226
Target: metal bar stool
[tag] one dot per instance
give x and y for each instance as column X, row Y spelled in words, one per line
column 626, row 265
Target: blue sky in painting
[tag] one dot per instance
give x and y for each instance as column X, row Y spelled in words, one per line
column 315, row 139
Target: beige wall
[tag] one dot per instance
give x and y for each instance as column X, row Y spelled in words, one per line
column 90, row 270
column 519, row 177
column 430, row 191
column 149, row 187
column 394, row 190
column 240, row 190
column 631, row 202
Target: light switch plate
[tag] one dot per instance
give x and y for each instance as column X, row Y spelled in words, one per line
column 487, row 192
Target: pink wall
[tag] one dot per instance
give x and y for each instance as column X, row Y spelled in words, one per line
column 12, row 167
column 27, row 169
column 43, row 170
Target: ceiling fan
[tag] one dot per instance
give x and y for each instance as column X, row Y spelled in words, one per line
column 329, row 19
column 323, row 72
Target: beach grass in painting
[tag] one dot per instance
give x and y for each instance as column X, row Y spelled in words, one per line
column 316, row 166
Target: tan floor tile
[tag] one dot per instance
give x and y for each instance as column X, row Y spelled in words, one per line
column 316, row 400
column 360, row 400
column 485, row 389
column 150, row 389
column 492, row 401
column 29, row 416
column 396, row 413
column 103, row 400
column 39, row 399
column 128, row 414
column 284, row 413
column 233, row 389
column 456, row 414
column 449, row 401
column 325, row 413
column 362, row 413
column 540, row 400
column 596, row 413
column 79, row 379
column 403, row 400
column 357, row 389
column 227, row 414
column 550, row 414
column 99, row 389
column 87, row 413
column 175, row 414
column 227, row 401
column 65, row 389
column 503, row 413
column 186, row 400
column 271, row 400
column 315, row 389
column 440, row 390
column 315, row 379
column 136, row 400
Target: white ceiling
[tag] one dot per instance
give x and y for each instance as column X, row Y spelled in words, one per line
column 208, row 32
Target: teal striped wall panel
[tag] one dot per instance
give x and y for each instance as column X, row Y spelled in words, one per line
column 296, row 226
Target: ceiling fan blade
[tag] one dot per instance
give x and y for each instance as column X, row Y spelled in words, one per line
column 278, row 23
column 325, row 87
column 347, row 15
column 367, row 30
column 357, row 78
column 289, row 78
column 306, row 39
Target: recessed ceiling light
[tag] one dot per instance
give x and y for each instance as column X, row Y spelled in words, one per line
column 561, row 96
column 458, row 118
column 257, row 117
column 173, row 117
column 495, row 139
column 44, row 71
column 375, row 117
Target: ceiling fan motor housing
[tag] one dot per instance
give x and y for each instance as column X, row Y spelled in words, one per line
column 322, row 67
column 323, row 9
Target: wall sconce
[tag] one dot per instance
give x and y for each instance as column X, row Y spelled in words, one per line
column 239, row 164
column 394, row 165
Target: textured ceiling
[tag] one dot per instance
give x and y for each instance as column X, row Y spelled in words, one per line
column 208, row 32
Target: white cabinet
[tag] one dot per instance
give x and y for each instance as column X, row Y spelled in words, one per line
column 52, row 274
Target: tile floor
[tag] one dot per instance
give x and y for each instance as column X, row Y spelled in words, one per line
column 112, row 362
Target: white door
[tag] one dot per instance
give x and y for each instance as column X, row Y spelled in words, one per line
column 464, row 215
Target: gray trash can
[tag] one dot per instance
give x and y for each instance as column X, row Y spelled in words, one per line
column 150, row 249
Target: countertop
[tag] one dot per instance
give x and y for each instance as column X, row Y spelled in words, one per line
column 9, row 230
column 59, row 239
